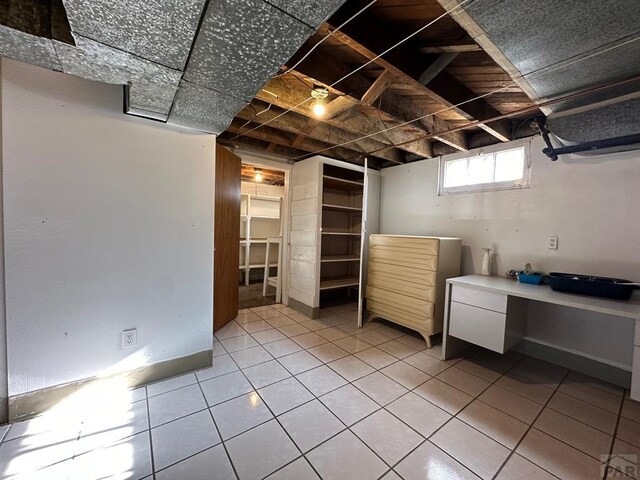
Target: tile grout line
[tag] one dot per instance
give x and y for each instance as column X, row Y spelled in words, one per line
column 615, row 435
column 383, row 407
column 350, row 354
column 513, row 451
column 233, row 467
column 333, row 390
column 153, row 462
column 428, row 439
column 274, row 417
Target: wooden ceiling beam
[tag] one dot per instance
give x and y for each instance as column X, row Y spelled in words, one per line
column 296, row 124
column 227, row 138
column 459, row 48
column 307, row 145
column 291, row 96
column 377, row 88
column 336, row 106
column 432, row 71
column 325, row 69
column 364, row 35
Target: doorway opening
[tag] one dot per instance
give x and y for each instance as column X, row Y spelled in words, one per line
column 261, row 232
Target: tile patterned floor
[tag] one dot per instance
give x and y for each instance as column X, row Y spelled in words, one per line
column 293, row 398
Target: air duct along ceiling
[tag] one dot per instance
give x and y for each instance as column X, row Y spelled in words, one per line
column 187, row 62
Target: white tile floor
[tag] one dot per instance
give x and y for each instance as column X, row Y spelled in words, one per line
column 292, row 398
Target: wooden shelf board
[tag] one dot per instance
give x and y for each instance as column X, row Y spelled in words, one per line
column 338, row 282
column 346, row 234
column 341, row 183
column 341, row 208
column 340, row 258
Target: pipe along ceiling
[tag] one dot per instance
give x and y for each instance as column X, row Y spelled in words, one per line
column 191, row 63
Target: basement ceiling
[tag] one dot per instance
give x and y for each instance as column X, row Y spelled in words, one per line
column 245, row 69
column 192, row 63
column 589, row 45
column 436, row 76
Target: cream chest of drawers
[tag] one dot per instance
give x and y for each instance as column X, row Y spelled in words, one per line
column 406, row 279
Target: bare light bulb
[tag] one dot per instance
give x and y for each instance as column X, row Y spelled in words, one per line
column 318, row 109
column 258, row 177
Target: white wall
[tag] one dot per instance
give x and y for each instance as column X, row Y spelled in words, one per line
column 591, row 203
column 108, row 226
column 4, row 394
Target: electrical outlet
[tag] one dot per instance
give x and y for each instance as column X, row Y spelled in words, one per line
column 129, row 338
column 552, row 243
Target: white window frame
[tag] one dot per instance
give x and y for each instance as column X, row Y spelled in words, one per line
column 492, row 186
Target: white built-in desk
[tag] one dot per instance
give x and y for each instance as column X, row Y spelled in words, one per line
column 491, row 312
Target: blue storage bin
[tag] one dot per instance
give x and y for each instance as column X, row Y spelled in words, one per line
column 533, row 279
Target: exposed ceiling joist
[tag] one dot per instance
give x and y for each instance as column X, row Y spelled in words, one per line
column 296, row 124
column 252, row 144
column 460, row 48
column 326, row 69
column 375, row 90
column 279, row 137
column 443, row 60
column 291, row 94
column 364, row 35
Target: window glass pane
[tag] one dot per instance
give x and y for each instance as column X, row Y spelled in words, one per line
column 455, row 173
column 481, row 169
column 510, row 165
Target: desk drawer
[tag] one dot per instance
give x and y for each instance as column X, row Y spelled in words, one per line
column 480, row 298
column 478, row 326
column 635, row 375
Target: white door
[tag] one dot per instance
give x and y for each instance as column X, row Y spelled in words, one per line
column 370, row 224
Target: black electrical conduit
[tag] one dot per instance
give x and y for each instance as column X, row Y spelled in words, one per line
column 553, row 152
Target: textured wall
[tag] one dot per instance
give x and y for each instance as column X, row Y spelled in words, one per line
column 108, row 225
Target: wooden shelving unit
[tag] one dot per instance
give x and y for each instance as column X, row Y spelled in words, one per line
column 331, row 203
column 342, row 191
column 259, row 219
column 333, row 283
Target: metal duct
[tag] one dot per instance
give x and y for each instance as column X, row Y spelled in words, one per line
column 192, row 63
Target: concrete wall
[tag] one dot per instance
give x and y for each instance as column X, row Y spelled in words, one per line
column 591, row 204
column 108, row 225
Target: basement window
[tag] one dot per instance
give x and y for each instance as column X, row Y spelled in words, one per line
column 487, row 170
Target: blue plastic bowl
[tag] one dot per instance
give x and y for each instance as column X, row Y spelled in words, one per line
column 533, row 279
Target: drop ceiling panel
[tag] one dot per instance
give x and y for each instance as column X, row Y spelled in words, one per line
column 203, row 109
column 534, row 35
column 152, row 86
column 622, row 63
column 311, row 12
column 596, row 124
column 241, row 45
column 28, row 48
column 157, row 30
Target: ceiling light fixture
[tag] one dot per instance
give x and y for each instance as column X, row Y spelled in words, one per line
column 320, row 95
column 258, row 174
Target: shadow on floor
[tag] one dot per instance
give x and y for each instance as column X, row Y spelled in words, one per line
column 250, row 296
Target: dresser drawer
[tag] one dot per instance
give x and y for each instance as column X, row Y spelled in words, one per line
column 480, row 298
column 479, row 326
